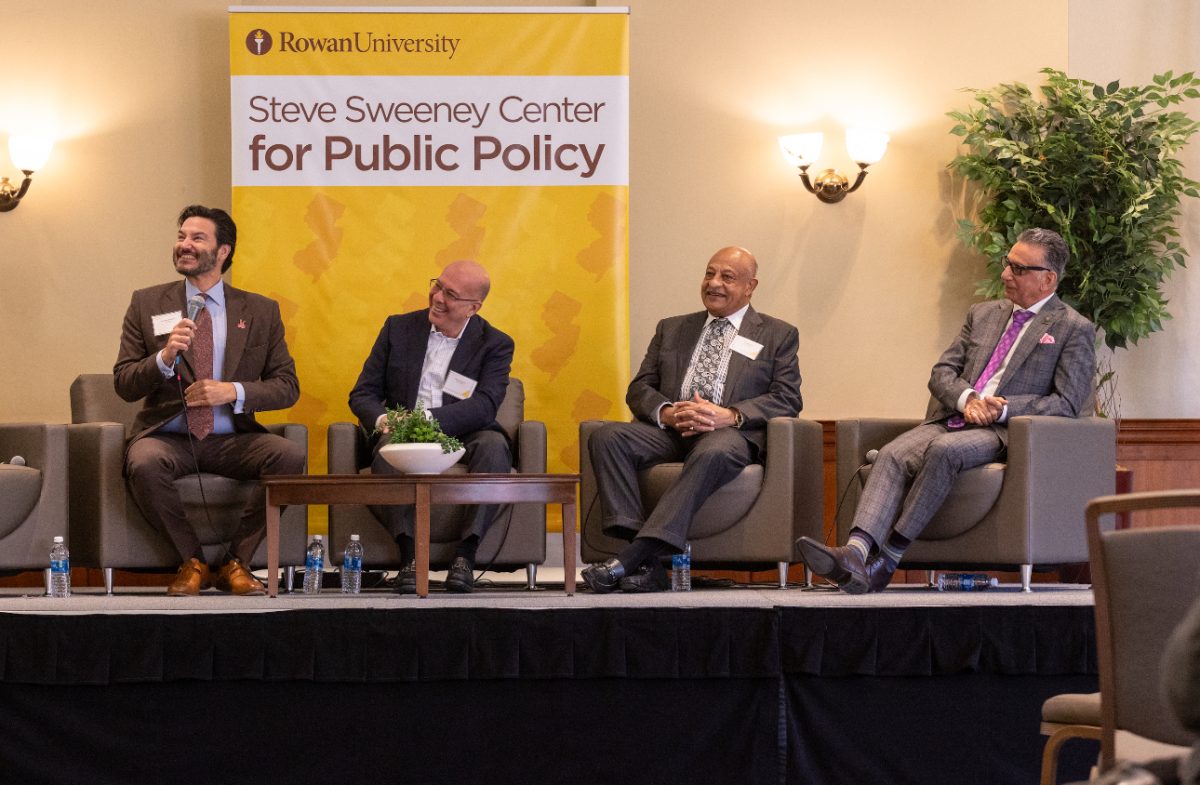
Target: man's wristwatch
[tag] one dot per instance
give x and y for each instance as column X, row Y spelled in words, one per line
column 738, row 418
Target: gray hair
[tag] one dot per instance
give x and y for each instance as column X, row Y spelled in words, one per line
column 1054, row 248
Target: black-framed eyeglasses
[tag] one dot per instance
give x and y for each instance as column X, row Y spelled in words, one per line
column 453, row 297
column 1020, row 269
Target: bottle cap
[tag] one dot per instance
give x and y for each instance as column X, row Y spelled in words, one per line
column 318, row 537
column 58, row 538
column 353, row 538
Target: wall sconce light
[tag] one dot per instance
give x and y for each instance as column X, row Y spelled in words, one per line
column 801, row 150
column 29, row 154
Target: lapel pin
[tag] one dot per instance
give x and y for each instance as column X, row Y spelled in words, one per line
column 241, row 324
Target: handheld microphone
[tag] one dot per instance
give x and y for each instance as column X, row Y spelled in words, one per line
column 17, row 460
column 195, row 305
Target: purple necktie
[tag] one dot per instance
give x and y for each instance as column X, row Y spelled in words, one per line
column 200, row 419
column 998, row 354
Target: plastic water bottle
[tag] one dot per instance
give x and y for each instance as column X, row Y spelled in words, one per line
column 60, row 569
column 681, row 569
column 314, row 563
column 965, row 581
column 352, row 567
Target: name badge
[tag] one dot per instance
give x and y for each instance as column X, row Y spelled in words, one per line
column 164, row 322
column 746, row 347
column 458, row 385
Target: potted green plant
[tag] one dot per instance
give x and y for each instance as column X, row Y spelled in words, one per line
column 416, row 443
column 1098, row 164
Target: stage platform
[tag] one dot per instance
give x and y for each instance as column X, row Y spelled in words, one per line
column 727, row 685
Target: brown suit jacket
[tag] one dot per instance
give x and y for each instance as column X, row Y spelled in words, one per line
column 256, row 355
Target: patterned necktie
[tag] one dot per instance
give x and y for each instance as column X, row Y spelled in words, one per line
column 200, row 419
column 708, row 364
column 998, row 354
column 1001, row 351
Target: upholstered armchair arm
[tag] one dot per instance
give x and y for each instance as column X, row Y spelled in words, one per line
column 531, row 447
column 342, row 440
column 1055, row 466
column 43, row 446
column 293, row 432
column 793, row 474
column 97, row 470
column 855, row 438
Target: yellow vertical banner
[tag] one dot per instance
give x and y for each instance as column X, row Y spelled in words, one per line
column 371, row 147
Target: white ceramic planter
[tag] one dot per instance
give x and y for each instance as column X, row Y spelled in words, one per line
column 419, row 458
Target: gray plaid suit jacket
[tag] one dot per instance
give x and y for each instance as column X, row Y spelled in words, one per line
column 1046, row 375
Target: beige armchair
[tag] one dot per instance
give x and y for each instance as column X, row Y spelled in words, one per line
column 516, row 539
column 108, row 530
column 752, row 522
column 1026, row 512
column 33, row 494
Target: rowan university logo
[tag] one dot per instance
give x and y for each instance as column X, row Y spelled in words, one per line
column 258, row 41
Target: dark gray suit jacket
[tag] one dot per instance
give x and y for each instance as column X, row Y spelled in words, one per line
column 392, row 373
column 256, row 355
column 1046, row 375
column 765, row 387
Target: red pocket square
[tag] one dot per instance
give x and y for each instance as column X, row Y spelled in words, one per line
column 1047, row 338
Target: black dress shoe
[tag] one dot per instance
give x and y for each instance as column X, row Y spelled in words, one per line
column 649, row 577
column 461, row 577
column 406, row 580
column 843, row 565
column 605, row 577
column 879, row 571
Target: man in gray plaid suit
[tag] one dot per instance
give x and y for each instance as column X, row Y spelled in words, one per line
column 1028, row 354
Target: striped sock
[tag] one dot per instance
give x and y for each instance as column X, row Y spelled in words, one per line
column 895, row 546
column 861, row 542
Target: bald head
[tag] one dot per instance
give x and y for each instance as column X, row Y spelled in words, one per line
column 456, row 295
column 729, row 280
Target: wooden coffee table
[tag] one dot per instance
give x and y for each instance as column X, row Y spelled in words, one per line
column 421, row 490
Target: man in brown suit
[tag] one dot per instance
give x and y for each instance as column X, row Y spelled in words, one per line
column 227, row 362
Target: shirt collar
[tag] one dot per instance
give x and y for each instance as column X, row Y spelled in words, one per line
column 433, row 330
column 1036, row 306
column 216, row 293
column 734, row 318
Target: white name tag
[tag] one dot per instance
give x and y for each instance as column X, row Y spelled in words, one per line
column 458, row 385
column 746, row 347
column 164, row 322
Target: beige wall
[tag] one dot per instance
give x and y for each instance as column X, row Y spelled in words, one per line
column 138, row 92
column 1115, row 39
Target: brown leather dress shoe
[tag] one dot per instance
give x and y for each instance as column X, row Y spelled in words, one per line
column 236, row 579
column 843, row 565
column 879, row 572
column 192, row 577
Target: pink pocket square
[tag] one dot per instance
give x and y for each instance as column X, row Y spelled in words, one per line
column 1047, row 338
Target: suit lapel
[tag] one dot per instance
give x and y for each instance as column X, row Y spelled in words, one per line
column 469, row 344
column 414, row 344
column 237, row 330
column 751, row 329
column 689, row 334
column 994, row 320
column 174, row 299
column 1041, row 323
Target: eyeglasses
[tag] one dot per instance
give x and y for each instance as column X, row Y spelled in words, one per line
column 1020, row 269
column 434, row 283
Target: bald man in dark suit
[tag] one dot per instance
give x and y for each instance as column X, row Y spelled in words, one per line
column 706, row 388
column 246, row 368
column 1029, row 354
column 457, row 364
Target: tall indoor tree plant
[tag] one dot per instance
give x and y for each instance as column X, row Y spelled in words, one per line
column 1099, row 165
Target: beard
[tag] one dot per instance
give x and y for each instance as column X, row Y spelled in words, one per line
column 205, row 261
